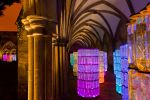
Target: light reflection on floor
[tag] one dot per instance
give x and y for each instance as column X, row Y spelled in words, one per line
column 138, row 87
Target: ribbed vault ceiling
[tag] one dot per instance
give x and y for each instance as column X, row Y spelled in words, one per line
column 90, row 20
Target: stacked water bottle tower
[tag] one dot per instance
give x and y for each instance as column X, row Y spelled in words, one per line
column 102, row 66
column 121, row 70
column 88, row 73
column 9, row 57
column 75, row 66
column 117, row 71
column 124, row 70
column 71, row 60
column 139, row 54
column 105, row 62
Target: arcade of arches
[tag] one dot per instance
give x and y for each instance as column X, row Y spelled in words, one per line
column 48, row 31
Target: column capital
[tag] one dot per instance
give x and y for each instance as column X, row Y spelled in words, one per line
column 38, row 24
column 60, row 41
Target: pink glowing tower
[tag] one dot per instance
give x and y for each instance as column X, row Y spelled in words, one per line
column 88, row 73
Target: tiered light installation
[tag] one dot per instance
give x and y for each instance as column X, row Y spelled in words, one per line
column 75, row 66
column 14, row 57
column 121, row 71
column 117, row 70
column 4, row 57
column 88, row 73
column 71, row 60
column 105, row 62
column 139, row 40
column 102, row 65
column 139, row 85
column 124, row 71
column 9, row 57
column 131, row 43
column 139, row 55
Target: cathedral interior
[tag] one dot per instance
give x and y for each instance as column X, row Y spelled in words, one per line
column 75, row 49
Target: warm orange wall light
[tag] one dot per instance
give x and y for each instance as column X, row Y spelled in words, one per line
column 9, row 17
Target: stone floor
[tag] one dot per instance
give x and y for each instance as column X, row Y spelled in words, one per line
column 107, row 89
column 8, row 81
column 8, row 85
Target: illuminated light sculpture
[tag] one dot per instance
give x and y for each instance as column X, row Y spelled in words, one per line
column 14, row 57
column 71, row 60
column 139, row 85
column 139, row 55
column 102, row 65
column 121, row 71
column 10, row 58
column 75, row 66
column 4, row 57
column 131, row 43
column 124, row 70
column 117, row 70
column 105, row 62
column 88, row 73
column 138, row 40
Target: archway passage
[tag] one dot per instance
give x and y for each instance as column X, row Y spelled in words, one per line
column 81, row 24
column 99, row 24
column 8, row 66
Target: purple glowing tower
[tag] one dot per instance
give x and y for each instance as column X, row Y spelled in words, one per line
column 4, row 57
column 88, row 73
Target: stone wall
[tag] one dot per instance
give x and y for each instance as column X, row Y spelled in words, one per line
column 22, row 66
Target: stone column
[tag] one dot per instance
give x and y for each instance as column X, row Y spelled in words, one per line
column 56, row 74
column 63, row 68
column 30, row 67
column 39, row 66
column 53, row 69
column 40, row 57
column 59, row 70
column 25, row 5
column 54, row 64
column 48, row 64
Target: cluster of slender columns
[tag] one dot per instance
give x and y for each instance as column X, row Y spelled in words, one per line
column 39, row 58
column 60, row 66
column 30, row 68
column 47, row 62
column 36, row 71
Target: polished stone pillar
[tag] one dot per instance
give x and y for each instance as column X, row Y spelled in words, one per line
column 63, row 69
column 56, row 72
column 53, row 69
column 39, row 67
column 59, row 70
column 36, row 7
column 30, row 67
column 48, row 64
column 25, row 5
column 40, row 56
